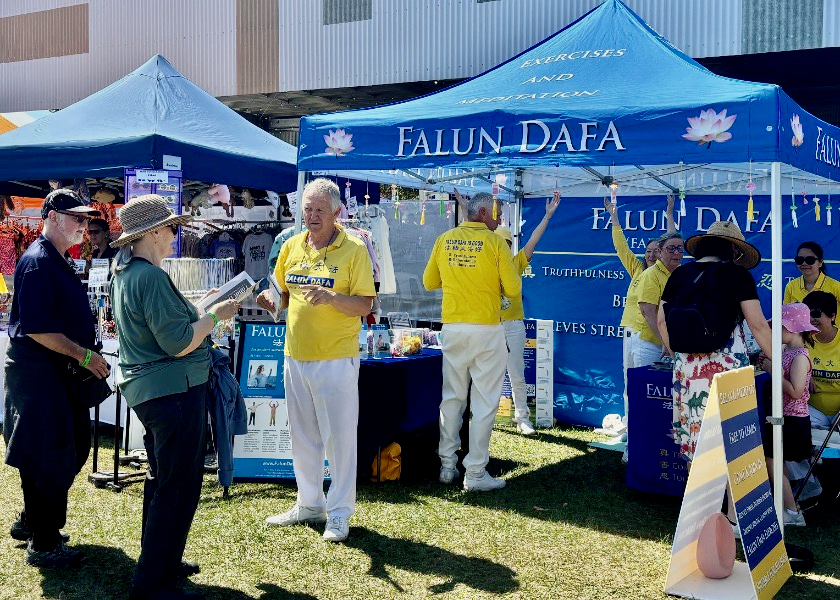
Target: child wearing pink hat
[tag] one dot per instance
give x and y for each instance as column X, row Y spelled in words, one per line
column 796, row 369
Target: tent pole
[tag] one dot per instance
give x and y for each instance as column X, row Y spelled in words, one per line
column 776, row 334
column 299, row 210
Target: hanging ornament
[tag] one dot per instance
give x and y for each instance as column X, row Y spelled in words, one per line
column 750, row 205
column 347, row 191
column 423, row 213
column 804, row 197
column 396, row 200
column 793, row 207
column 828, row 207
column 614, row 193
column 440, row 196
column 816, row 208
column 449, row 210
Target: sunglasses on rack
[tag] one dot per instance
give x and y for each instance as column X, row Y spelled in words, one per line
column 805, row 260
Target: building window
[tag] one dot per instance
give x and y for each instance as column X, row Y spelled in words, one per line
column 347, row 11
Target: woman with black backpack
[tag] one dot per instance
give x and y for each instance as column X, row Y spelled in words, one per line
column 701, row 315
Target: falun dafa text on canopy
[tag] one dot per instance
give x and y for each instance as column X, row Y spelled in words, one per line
column 709, row 127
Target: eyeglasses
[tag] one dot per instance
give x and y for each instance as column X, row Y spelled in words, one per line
column 174, row 229
column 77, row 218
column 808, row 260
column 675, row 249
column 816, row 313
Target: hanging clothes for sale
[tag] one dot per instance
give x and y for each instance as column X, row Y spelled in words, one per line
column 256, row 248
column 373, row 219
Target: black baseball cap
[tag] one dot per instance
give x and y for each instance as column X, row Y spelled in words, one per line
column 66, row 201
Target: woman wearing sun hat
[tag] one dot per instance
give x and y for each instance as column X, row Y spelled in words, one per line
column 724, row 257
column 809, row 261
column 164, row 367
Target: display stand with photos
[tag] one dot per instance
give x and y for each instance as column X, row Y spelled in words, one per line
column 265, row 452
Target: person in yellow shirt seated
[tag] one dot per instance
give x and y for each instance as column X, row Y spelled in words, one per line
column 474, row 267
column 513, row 315
column 824, row 403
column 809, row 261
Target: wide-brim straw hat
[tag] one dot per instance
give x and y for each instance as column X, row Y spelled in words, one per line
column 144, row 214
column 729, row 231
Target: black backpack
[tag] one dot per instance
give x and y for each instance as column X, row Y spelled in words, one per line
column 698, row 320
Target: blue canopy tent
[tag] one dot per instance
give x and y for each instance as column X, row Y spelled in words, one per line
column 133, row 122
column 604, row 101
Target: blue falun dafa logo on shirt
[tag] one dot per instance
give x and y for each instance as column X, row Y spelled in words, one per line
column 325, row 282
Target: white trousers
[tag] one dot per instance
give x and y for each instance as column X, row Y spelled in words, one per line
column 637, row 353
column 323, row 401
column 515, row 338
column 477, row 353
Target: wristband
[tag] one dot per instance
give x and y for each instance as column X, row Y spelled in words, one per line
column 215, row 318
column 86, row 360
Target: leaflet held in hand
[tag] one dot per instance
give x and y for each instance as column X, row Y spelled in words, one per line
column 238, row 288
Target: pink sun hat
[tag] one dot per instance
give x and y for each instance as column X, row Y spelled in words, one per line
column 796, row 318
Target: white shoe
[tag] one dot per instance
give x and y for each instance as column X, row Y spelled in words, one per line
column 447, row 475
column 482, row 483
column 338, row 528
column 298, row 514
column 525, row 427
column 796, row 519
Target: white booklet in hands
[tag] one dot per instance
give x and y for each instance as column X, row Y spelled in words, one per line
column 276, row 298
column 238, row 288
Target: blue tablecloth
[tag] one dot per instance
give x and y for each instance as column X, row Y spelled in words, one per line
column 397, row 397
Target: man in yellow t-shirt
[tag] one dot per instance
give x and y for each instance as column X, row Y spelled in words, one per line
column 645, row 342
column 327, row 286
column 513, row 315
column 474, row 267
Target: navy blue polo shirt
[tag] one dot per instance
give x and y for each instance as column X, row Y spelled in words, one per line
column 49, row 298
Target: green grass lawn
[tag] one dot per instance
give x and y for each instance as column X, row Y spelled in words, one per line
column 564, row 527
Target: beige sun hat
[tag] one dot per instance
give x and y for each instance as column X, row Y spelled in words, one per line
column 750, row 256
column 144, row 214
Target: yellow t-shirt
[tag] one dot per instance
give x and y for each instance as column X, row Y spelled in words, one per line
column 512, row 310
column 474, row 267
column 795, row 289
column 825, row 361
column 648, row 287
column 634, row 267
column 323, row 332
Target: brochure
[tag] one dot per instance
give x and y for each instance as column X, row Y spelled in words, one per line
column 238, row 288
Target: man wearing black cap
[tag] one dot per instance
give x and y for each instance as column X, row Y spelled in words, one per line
column 46, row 427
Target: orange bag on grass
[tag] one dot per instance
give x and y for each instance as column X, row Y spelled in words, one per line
column 391, row 462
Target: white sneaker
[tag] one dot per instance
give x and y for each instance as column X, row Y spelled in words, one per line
column 298, row 514
column 796, row 519
column 338, row 528
column 447, row 475
column 525, row 427
column 482, row 483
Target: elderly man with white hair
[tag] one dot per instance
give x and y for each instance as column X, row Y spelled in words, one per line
column 327, row 286
column 474, row 267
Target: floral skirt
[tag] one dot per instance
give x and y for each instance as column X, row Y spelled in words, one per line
column 693, row 375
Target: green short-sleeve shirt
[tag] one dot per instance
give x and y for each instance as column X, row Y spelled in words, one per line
column 154, row 324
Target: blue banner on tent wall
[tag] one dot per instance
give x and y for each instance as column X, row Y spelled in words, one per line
column 576, row 279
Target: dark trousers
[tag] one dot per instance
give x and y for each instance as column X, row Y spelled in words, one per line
column 45, row 512
column 175, row 437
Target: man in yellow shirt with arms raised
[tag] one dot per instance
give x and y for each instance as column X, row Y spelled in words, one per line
column 474, row 267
